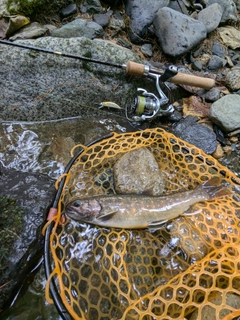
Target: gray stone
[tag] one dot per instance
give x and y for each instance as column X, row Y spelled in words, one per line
column 197, row 65
column 233, row 79
column 30, row 31
column 137, row 172
column 101, row 18
column 201, row 136
column 142, row 13
column 216, row 63
column 39, row 86
column 210, row 20
column 147, row 49
column 117, row 22
column 226, row 112
column 92, row 6
column 218, row 49
column 176, row 32
column 79, row 28
column 229, row 9
column 69, row 10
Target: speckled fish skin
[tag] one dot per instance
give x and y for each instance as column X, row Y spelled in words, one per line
column 137, row 211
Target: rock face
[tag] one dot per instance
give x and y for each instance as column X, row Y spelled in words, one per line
column 137, row 171
column 226, row 112
column 176, row 32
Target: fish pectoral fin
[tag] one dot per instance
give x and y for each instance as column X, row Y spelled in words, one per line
column 156, row 224
column 105, row 216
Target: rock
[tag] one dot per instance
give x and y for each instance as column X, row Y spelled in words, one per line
column 34, row 193
column 181, row 33
column 229, row 9
column 79, row 28
column 216, row 63
column 197, row 65
column 30, row 31
column 91, row 6
column 142, row 13
column 146, row 49
column 3, row 8
column 212, row 95
column 69, row 10
column 201, row 136
column 101, row 18
column 137, row 172
column 219, row 50
column 233, row 79
column 117, row 22
column 210, row 20
column 39, row 86
column 178, row 6
column 226, row 112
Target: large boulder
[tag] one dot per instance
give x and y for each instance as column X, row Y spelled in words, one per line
column 177, row 32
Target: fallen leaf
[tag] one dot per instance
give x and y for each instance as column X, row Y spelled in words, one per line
column 230, row 36
column 193, row 106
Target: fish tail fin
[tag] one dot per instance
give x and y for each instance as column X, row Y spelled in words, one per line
column 214, row 189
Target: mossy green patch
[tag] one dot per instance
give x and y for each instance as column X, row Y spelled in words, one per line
column 11, row 225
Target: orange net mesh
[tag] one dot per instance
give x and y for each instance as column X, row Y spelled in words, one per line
column 189, row 266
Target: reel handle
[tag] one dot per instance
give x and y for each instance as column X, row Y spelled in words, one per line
column 138, row 69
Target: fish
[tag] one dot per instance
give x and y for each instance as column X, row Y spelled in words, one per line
column 132, row 211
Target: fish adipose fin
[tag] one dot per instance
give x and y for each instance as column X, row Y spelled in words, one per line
column 214, row 190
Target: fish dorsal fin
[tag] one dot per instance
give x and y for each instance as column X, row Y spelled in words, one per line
column 105, row 216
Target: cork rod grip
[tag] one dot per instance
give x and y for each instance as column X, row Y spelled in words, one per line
column 138, row 69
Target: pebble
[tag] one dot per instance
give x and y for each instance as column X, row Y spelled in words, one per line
column 91, row 6
column 233, row 79
column 69, row 10
column 146, row 49
column 101, row 18
column 218, row 153
column 225, row 112
column 181, row 33
column 218, row 49
column 216, row 63
column 197, row 65
column 79, row 28
column 210, row 20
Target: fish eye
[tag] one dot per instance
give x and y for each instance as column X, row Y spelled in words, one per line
column 77, row 204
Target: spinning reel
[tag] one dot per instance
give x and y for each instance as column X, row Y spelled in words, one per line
column 147, row 105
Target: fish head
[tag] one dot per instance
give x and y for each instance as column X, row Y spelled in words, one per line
column 84, row 210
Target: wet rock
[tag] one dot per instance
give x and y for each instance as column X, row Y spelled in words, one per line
column 101, row 18
column 147, row 49
column 142, row 13
column 229, row 9
column 34, row 193
column 30, row 31
column 137, row 171
column 79, row 28
column 91, row 6
column 201, row 136
column 181, row 33
column 210, row 20
column 216, row 63
column 226, row 112
column 233, row 79
column 69, row 10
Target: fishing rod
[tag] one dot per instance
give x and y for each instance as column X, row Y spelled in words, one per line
column 146, row 105
column 131, row 68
